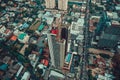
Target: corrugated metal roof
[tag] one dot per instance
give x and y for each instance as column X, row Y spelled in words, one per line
column 41, row 27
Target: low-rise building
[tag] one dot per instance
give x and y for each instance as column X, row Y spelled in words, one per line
column 23, row 38
column 77, row 27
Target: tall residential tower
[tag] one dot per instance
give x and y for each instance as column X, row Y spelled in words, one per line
column 50, row 4
column 62, row 4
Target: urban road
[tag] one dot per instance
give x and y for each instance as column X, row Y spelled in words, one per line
column 83, row 73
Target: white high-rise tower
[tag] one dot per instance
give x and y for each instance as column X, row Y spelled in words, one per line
column 50, row 4
column 62, row 4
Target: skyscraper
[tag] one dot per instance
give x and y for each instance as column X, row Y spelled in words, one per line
column 50, row 4
column 62, row 4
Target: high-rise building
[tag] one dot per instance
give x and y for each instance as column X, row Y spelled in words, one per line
column 110, row 37
column 50, row 4
column 62, row 4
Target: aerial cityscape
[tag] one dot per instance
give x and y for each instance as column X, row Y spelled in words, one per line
column 59, row 39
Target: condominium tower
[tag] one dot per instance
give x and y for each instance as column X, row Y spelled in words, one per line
column 62, row 4
column 50, row 4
